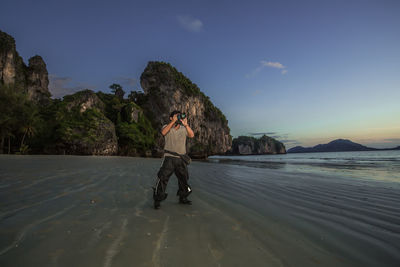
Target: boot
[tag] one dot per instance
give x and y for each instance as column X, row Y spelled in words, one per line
column 184, row 200
column 156, row 204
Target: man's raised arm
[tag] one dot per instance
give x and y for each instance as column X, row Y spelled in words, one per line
column 166, row 129
column 188, row 129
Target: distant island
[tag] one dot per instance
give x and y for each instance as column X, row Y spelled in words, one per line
column 338, row 145
column 248, row 145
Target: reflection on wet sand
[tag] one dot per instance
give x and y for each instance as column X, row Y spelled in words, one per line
column 97, row 211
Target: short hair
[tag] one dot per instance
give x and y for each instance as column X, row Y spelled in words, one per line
column 173, row 113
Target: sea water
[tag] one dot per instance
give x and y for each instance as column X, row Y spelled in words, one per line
column 377, row 165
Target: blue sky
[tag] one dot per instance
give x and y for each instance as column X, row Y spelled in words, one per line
column 305, row 72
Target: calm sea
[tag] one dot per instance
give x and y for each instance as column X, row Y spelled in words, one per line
column 377, row 165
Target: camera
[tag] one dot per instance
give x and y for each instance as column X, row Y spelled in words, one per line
column 180, row 117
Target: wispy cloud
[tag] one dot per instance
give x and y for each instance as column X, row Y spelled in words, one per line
column 190, row 23
column 61, row 86
column 268, row 64
column 275, row 65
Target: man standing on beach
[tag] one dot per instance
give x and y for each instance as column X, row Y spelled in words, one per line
column 175, row 134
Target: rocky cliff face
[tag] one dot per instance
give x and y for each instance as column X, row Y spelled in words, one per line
column 32, row 80
column 131, row 113
column 85, row 130
column 167, row 90
column 83, row 101
column 12, row 67
column 37, row 79
column 246, row 145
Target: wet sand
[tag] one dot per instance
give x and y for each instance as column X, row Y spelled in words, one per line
column 97, row 211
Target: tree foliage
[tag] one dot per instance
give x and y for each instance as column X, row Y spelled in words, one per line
column 19, row 119
column 26, row 127
column 117, row 90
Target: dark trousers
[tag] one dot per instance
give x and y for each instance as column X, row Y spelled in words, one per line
column 172, row 165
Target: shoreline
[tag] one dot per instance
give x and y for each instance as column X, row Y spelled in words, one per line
column 216, row 155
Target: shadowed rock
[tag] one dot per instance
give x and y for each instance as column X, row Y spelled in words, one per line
column 166, row 90
column 38, row 80
column 32, row 80
column 85, row 129
column 247, row 145
column 12, row 67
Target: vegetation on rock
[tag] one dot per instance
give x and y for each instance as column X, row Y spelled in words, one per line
column 166, row 89
column 82, row 123
column 18, row 119
column 100, row 123
column 167, row 73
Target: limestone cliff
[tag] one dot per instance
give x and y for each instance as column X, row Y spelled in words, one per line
column 131, row 113
column 37, row 80
column 166, row 90
column 84, row 129
column 32, row 80
column 12, row 67
column 247, row 145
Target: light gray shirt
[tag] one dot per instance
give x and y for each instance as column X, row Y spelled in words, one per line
column 175, row 140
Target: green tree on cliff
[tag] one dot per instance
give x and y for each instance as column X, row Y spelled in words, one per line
column 117, row 90
column 117, row 102
column 137, row 97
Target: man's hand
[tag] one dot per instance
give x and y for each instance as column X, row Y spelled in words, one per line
column 175, row 118
column 166, row 129
column 184, row 122
column 188, row 129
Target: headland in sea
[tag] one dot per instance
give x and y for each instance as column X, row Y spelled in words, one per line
column 97, row 211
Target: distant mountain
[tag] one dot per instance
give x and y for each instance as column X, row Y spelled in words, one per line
column 337, row 145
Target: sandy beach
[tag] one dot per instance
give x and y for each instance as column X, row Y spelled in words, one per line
column 97, row 211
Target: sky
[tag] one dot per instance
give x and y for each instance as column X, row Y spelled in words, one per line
column 303, row 72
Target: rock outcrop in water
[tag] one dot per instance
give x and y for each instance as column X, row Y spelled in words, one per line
column 166, row 90
column 247, row 145
column 32, row 80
